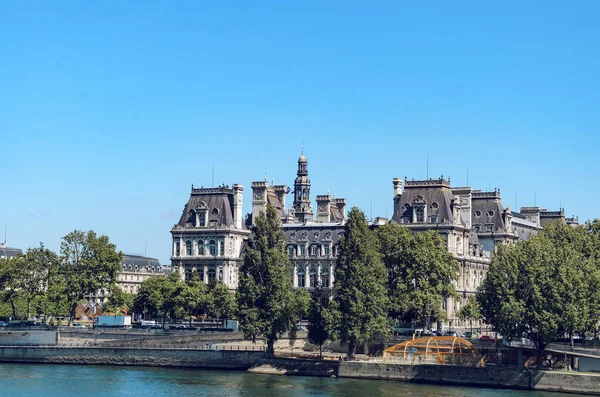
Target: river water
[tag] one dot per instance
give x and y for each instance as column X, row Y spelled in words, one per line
column 68, row 381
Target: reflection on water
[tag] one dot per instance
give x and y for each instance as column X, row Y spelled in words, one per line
column 67, row 381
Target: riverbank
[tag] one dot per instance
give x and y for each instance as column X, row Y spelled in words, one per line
column 492, row 376
column 240, row 359
column 255, row 361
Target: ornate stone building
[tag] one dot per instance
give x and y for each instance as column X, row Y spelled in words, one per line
column 8, row 252
column 312, row 243
column 210, row 235
column 473, row 223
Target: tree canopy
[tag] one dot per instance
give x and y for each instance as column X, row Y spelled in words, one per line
column 264, row 296
column 360, row 276
column 420, row 272
column 543, row 288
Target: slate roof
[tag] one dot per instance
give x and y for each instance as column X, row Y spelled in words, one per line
column 432, row 191
column 489, row 207
column 8, row 252
column 313, row 232
column 219, row 204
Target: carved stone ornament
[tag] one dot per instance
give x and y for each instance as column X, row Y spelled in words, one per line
column 258, row 196
column 322, row 208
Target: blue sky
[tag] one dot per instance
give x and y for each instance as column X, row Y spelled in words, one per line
column 110, row 110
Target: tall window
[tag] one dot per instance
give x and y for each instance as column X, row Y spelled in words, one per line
column 313, row 277
column 301, row 282
column 177, row 249
column 290, row 250
column 188, row 274
column 212, row 247
column 326, row 249
column 202, row 218
column 302, row 249
column 201, row 274
column 222, row 248
column 212, row 274
column 419, row 211
column 188, row 247
column 325, row 277
column 200, row 247
column 314, row 250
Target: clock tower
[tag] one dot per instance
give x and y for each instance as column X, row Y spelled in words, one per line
column 303, row 211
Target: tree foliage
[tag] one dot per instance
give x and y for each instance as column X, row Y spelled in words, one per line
column 264, row 296
column 420, row 272
column 361, row 295
column 89, row 264
column 322, row 318
column 543, row 288
column 470, row 311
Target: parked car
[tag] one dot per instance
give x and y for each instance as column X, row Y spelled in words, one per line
column 486, row 337
column 2, row 324
column 468, row 335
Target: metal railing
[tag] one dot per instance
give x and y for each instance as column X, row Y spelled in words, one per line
column 150, row 346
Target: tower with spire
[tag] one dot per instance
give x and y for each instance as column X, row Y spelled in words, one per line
column 303, row 211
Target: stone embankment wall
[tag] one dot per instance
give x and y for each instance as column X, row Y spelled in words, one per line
column 28, row 337
column 492, row 376
column 183, row 340
column 241, row 360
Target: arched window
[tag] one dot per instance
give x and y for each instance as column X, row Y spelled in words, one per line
column 200, row 247
column 301, row 280
column 313, row 277
column 212, row 274
column 188, row 248
column 212, row 247
column 420, row 214
column 325, row 277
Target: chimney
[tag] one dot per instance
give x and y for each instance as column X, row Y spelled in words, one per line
column 237, row 205
column 323, row 208
column 340, row 203
column 259, row 199
column 280, row 192
column 397, row 186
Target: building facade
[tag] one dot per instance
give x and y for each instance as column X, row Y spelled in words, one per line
column 312, row 243
column 210, row 235
column 473, row 223
column 136, row 269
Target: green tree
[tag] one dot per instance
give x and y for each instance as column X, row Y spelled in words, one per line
column 539, row 288
column 89, row 264
column 192, row 296
column 360, row 284
column 10, row 276
column 470, row 311
column 321, row 318
column 264, row 296
column 221, row 301
column 300, row 310
column 420, row 272
column 34, row 273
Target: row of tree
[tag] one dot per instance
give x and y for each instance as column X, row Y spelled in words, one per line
column 382, row 276
column 545, row 288
column 41, row 281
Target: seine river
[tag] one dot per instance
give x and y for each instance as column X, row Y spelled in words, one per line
column 67, row 381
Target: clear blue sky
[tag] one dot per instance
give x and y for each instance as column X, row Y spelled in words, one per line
column 110, row 110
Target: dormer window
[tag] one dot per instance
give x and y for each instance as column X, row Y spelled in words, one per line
column 201, row 218
column 420, row 214
column 290, row 251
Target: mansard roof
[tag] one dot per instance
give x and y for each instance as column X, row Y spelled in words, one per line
column 217, row 202
column 487, row 209
column 428, row 191
column 8, row 252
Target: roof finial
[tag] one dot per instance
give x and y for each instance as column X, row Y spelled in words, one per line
column 266, row 179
